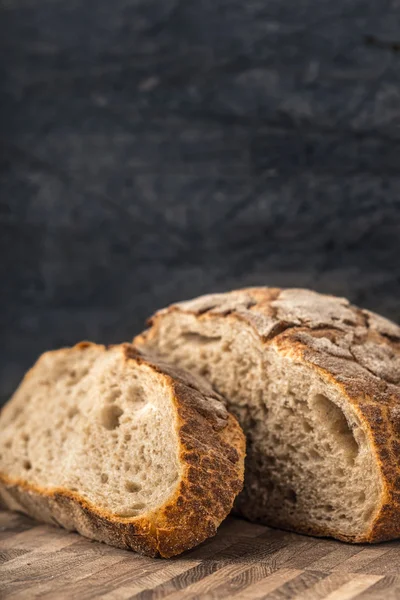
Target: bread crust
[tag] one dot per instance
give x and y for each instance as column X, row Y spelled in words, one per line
column 211, row 452
column 356, row 350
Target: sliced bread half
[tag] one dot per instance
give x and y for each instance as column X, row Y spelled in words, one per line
column 315, row 384
column 121, row 448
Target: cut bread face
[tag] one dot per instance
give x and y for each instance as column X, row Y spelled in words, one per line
column 311, row 380
column 104, row 431
column 98, row 440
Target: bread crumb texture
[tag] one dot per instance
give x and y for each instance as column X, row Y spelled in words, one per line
column 314, row 382
column 120, row 447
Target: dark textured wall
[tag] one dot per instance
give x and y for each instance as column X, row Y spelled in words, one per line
column 153, row 150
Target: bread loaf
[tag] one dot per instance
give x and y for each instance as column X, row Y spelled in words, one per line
column 315, row 384
column 121, row 448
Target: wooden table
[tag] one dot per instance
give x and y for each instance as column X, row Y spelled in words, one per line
column 243, row 561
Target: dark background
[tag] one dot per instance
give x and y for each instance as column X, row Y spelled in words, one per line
column 153, row 150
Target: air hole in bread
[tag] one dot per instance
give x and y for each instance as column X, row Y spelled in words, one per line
column 291, row 496
column 27, row 465
column 368, row 514
column 127, row 437
column 132, row 487
column 199, row 339
column 315, row 455
column 204, row 371
column 104, row 478
column 8, row 444
column 136, row 394
column 138, row 506
column 25, row 436
column 16, row 412
column 110, row 415
column 73, row 377
column 132, row 511
column 332, row 419
column 72, row 412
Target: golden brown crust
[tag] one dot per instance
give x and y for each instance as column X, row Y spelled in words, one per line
column 355, row 349
column 212, row 449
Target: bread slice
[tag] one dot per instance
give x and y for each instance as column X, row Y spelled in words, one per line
column 124, row 449
column 315, row 384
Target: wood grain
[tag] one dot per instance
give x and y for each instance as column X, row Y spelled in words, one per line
column 244, row 561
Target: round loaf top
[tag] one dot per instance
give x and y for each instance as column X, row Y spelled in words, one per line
column 344, row 338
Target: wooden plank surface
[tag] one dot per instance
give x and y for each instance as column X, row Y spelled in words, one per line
column 243, row 561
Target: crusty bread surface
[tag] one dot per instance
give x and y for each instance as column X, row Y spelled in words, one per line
column 315, row 383
column 122, row 448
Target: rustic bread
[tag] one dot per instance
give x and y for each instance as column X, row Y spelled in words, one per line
column 315, row 384
column 121, row 448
